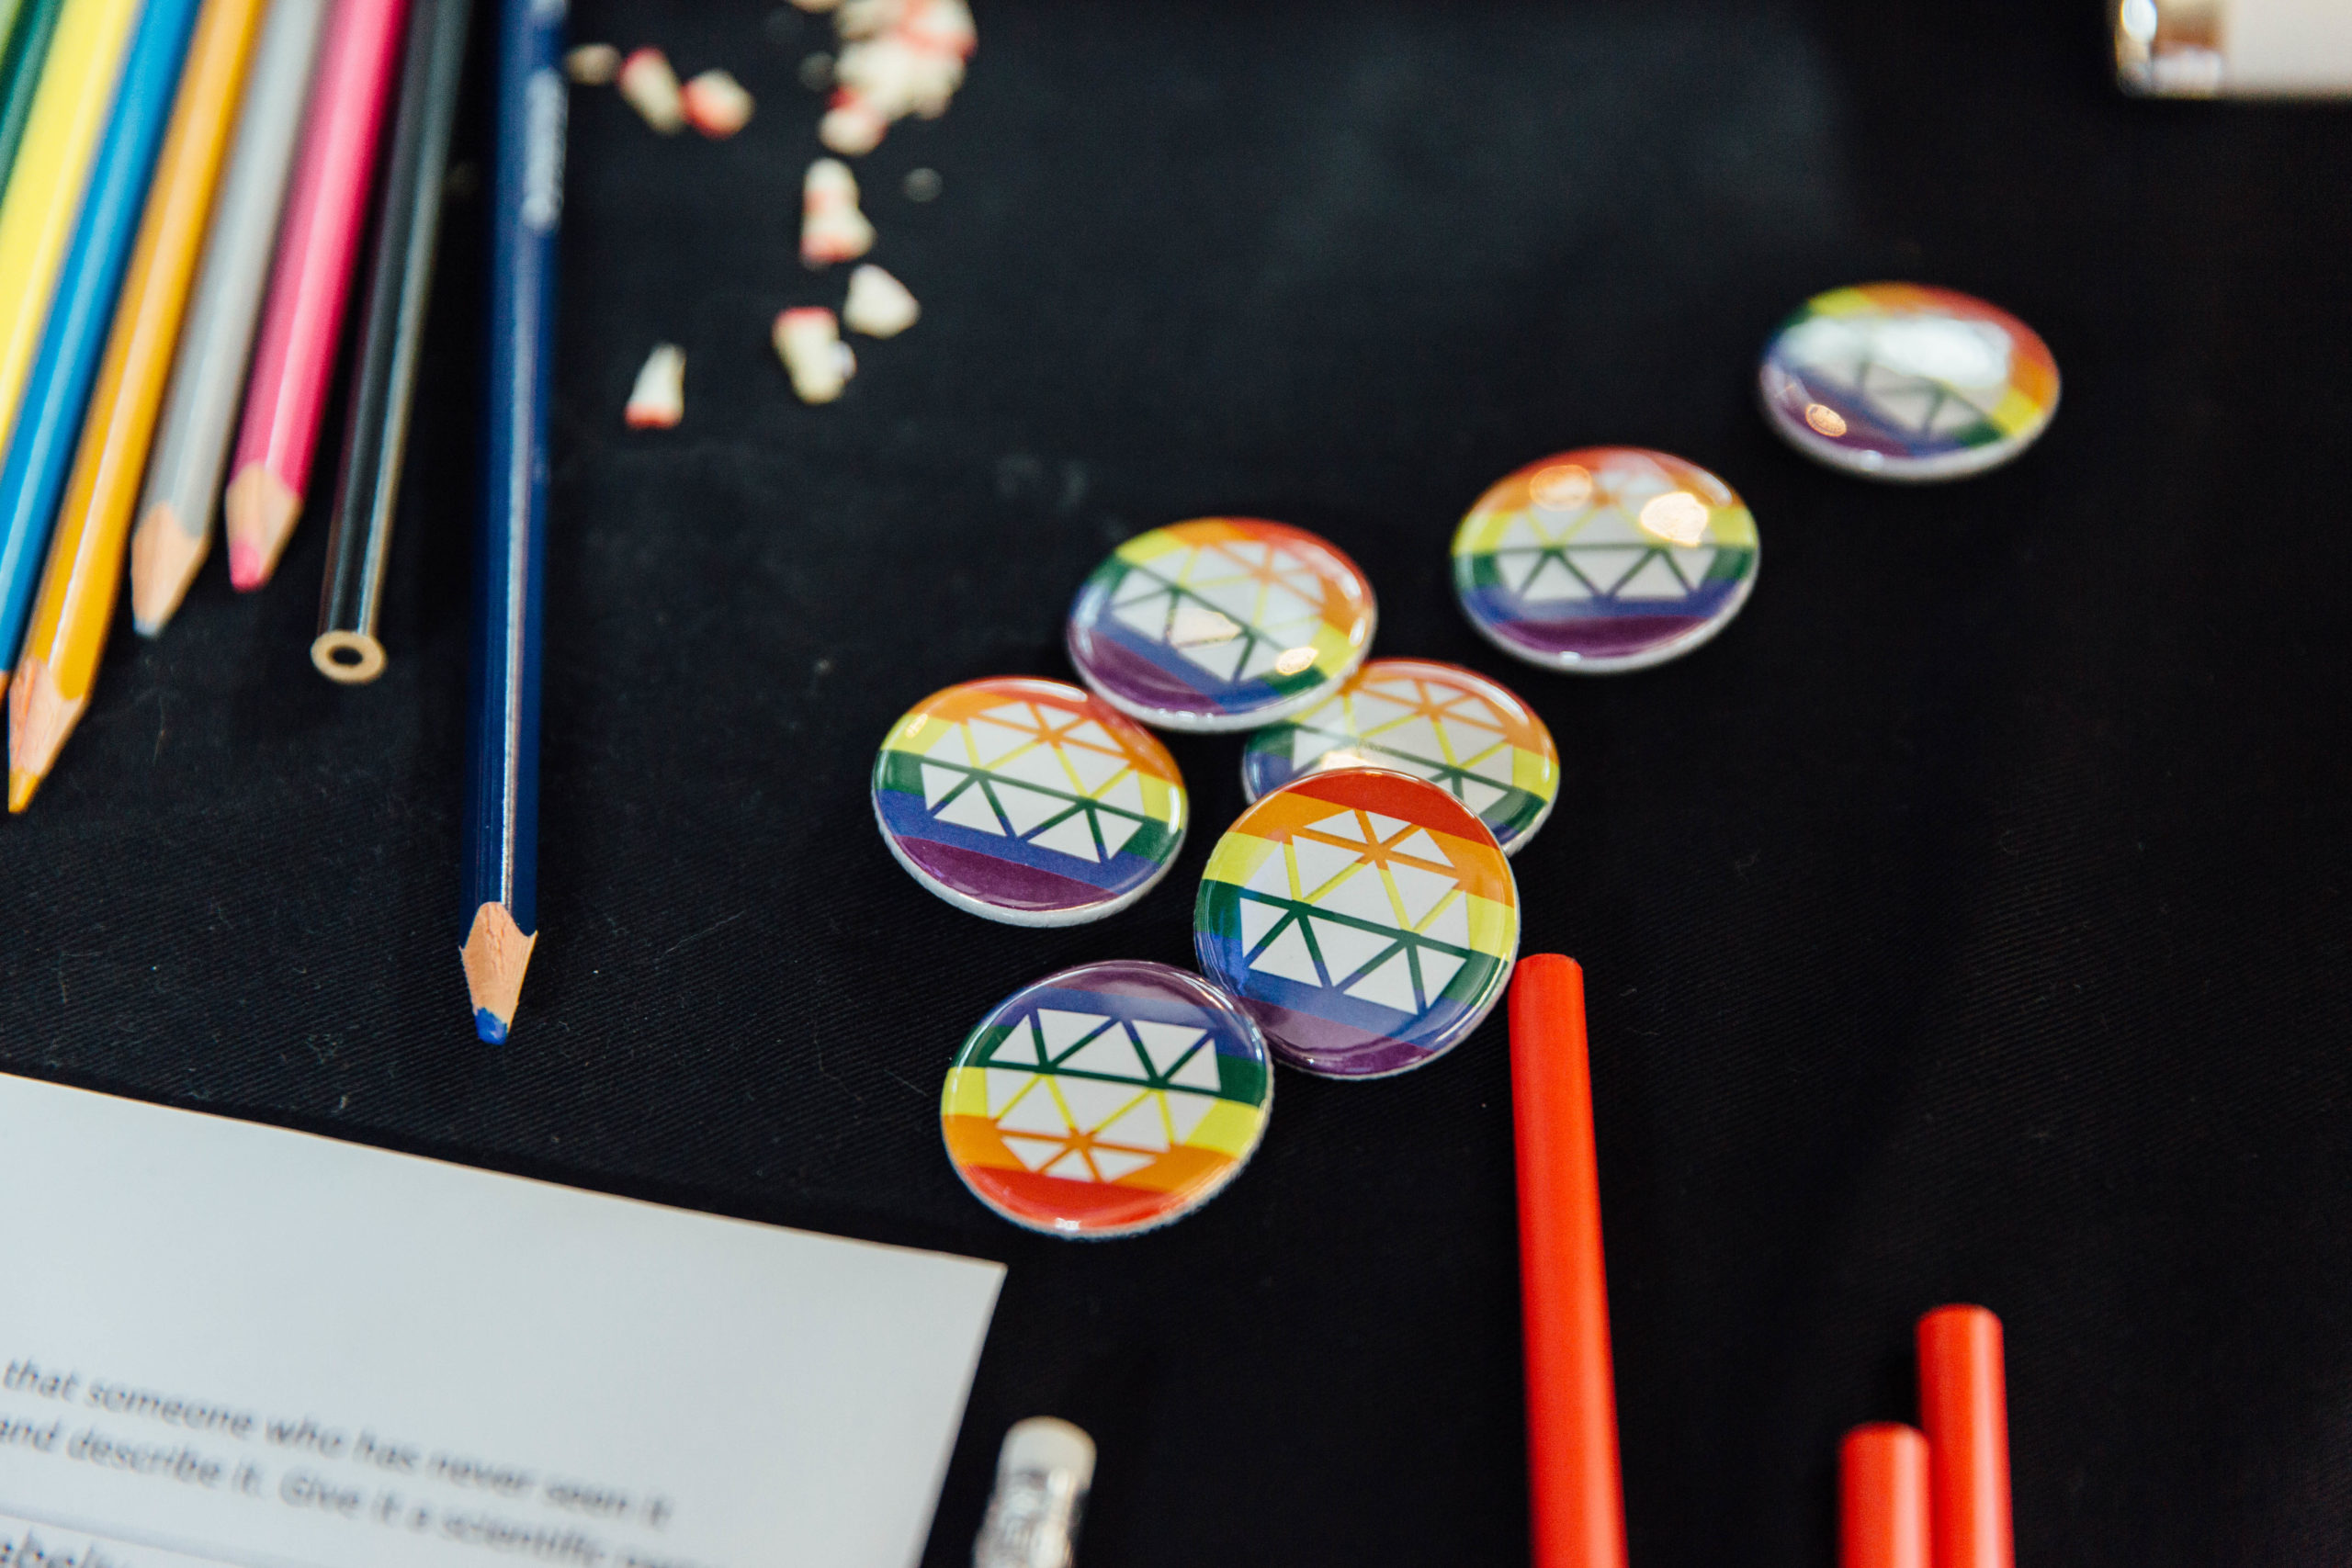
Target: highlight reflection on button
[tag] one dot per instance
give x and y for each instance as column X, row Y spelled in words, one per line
column 1561, row 488
column 1678, row 516
column 1824, row 418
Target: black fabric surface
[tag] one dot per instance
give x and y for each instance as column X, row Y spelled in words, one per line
column 1968, row 922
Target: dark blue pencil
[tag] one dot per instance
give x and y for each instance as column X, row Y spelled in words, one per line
column 49, row 421
column 501, row 824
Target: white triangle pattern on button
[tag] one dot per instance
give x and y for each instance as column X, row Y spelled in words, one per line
column 1111, row 1164
column 1003, row 1084
column 1265, row 601
column 1110, row 1054
column 1390, row 986
column 1035, row 1153
column 1422, row 847
column 1185, row 1111
column 938, row 783
column 1026, row 809
column 1286, row 957
column 970, row 809
column 1199, row 1071
column 1164, row 1044
column 1257, row 918
column 1347, row 949
column 1034, row 785
column 1092, row 1103
column 1058, row 1028
column 1073, row 836
column 1139, row 1126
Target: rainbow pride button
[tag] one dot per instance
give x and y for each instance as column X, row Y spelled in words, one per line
column 1222, row 623
column 1469, row 736
column 1366, row 918
column 1028, row 802
column 1605, row 559
column 1106, row 1100
column 1899, row 381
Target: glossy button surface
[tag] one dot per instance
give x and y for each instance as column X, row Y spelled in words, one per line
column 1468, row 735
column 1900, row 381
column 1366, row 920
column 1106, row 1100
column 1222, row 623
column 1605, row 559
column 1028, row 801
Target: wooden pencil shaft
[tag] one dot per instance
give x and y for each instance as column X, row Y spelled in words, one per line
column 500, row 860
column 39, row 212
column 199, row 416
column 30, row 27
column 47, row 421
column 301, row 322
column 83, row 579
column 399, row 288
column 114, row 442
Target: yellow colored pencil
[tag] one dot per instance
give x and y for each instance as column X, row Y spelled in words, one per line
column 44, row 194
column 84, row 575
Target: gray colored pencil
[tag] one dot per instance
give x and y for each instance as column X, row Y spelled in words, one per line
column 175, row 528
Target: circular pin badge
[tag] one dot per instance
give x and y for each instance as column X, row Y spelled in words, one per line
column 1469, row 736
column 1222, row 623
column 1106, row 1100
column 1605, row 559
column 1366, row 920
column 1028, row 802
column 1899, row 381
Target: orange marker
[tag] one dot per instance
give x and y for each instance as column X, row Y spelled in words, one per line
column 1963, row 1403
column 1883, row 1497
column 1577, row 1500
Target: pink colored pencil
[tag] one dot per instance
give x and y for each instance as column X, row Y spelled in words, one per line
column 294, row 357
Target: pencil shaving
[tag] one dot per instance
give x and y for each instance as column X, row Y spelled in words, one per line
column 865, row 18
column 903, row 57
column 831, row 227
column 658, row 399
column 592, row 65
column 879, row 304
column 651, row 88
column 716, row 105
column 808, row 341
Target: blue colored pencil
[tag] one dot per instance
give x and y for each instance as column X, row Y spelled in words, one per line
column 501, row 826
column 40, row 449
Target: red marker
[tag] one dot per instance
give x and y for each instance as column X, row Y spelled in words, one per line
column 1883, row 1497
column 1577, row 1500
column 1963, row 1403
column 294, row 356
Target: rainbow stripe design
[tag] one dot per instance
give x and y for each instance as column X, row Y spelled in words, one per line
column 1106, row 1100
column 1028, row 802
column 1222, row 623
column 1605, row 558
column 1471, row 736
column 1366, row 920
column 1900, row 381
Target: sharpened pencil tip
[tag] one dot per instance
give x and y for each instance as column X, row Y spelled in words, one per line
column 258, row 516
column 495, row 955
column 39, row 718
column 248, row 568
column 163, row 560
